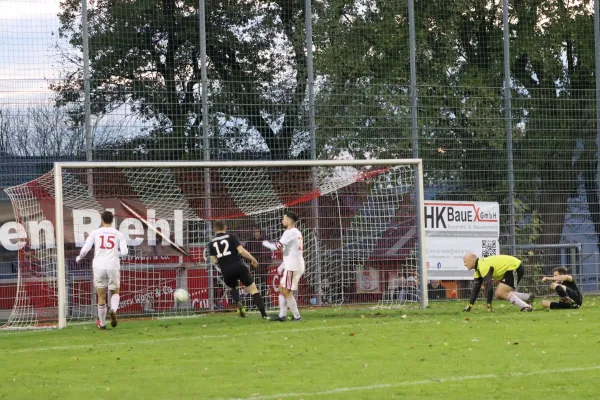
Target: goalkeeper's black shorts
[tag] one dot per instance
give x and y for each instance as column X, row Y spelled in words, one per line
column 512, row 278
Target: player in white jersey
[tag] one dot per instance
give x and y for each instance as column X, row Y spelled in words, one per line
column 292, row 267
column 106, row 265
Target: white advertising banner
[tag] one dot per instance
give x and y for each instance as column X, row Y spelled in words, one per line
column 454, row 228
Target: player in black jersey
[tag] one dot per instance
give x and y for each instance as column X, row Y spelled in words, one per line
column 225, row 251
column 565, row 287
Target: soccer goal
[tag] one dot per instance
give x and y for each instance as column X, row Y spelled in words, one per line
column 361, row 221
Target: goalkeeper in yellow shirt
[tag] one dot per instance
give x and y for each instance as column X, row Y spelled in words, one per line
column 508, row 270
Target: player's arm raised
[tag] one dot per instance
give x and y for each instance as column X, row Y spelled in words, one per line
column 86, row 247
column 559, row 278
column 244, row 253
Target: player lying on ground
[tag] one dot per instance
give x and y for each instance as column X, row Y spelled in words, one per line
column 292, row 268
column 106, row 265
column 507, row 270
column 566, row 288
column 225, row 251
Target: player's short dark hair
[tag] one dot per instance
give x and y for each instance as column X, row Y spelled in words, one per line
column 107, row 217
column 562, row 270
column 291, row 215
column 220, row 225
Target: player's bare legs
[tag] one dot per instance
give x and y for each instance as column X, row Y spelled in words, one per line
column 101, row 293
column 282, row 306
column 546, row 303
column 258, row 300
column 290, row 302
column 505, row 292
column 114, row 306
column 526, row 297
column 558, row 305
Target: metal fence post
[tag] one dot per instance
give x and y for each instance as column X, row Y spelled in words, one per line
column 313, row 140
column 508, row 127
column 206, row 143
column 597, row 63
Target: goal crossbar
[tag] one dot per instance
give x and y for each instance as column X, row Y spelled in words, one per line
column 234, row 164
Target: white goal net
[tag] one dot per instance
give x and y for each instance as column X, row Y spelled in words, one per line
column 360, row 222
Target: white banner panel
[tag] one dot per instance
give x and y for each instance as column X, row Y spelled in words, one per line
column 454, row 228
column 462, row 219
column 445, row 256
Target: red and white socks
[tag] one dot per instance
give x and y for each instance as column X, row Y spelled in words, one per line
column 114, row 302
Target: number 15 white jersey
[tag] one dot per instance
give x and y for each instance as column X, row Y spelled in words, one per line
column 108, row 244
column 292, row 243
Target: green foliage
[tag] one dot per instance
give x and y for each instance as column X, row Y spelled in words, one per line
column 528, row 223
column 145, row 55
column 460, row 76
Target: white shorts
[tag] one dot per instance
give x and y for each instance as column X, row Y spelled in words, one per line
column 290, row 279
column 107, row 278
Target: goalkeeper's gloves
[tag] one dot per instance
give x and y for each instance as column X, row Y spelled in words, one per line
column 78, row 259
column 468, row 308
column 489, row 306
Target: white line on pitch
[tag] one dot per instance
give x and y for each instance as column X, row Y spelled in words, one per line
column 415, row 383
column 200, row 337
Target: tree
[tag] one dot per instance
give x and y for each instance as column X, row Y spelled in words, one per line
column 553, row 66
column 363, row 55
column 145, row 55
column 362, row 99
column 39, row 131
column 461, row 101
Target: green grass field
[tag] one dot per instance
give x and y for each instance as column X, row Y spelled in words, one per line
column 440, row 352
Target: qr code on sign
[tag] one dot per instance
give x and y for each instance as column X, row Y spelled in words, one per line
column 488, row 248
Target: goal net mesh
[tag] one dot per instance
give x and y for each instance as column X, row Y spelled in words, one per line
column 358, row 223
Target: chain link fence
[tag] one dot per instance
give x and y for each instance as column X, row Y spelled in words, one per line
column 499, row 98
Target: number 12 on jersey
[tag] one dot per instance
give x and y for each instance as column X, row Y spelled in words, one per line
column 225, row 252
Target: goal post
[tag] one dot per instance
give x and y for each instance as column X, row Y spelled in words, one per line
column 60, row 245
column 368, row 236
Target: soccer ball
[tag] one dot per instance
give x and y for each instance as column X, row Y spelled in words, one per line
column 181, row 295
